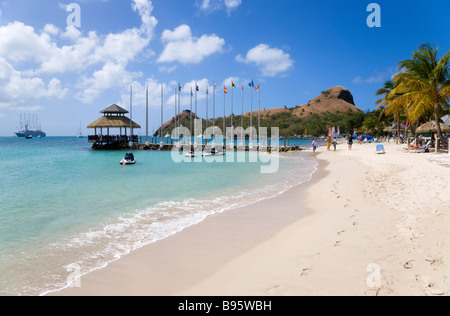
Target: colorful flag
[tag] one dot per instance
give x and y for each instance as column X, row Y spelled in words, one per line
column 257, row 88
column 251, row 84
column 215, row 86
column 242, row 90
column 191, row 92
column 225, row 90
column 233, row 85
column 207, row 92
column 196, row 88
column 179, row 87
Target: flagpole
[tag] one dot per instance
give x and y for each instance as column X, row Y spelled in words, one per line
column 259, row 109
column 190, row 121
column 214, row 110
column 206, row 107
column 146, row 117
column 161, row 144
column 176, row 118
column 224, row 111
column 179, row 109
column 131, row 117
column 251, row 113
column 232, row 130
column 195, row 136
column 242, row 116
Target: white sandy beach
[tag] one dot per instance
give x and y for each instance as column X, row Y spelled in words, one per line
column 366, row 224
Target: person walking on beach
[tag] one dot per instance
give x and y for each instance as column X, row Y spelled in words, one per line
column 350, row 141
column 329, row 143
column 314, row 145
column 334, row 143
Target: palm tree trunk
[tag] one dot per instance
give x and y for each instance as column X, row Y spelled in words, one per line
column 438, row 123
column 415, row 130
column 398, row 129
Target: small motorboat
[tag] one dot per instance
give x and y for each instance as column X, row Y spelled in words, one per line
column 29, row 137
column 213, row 152
column 191, row 155
column 128, row 160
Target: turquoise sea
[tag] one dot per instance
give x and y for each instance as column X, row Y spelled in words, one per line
column 65, row 207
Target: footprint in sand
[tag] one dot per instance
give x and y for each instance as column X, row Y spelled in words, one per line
column 409, row 265
column 271, row 290
column 341, row 232
column 338, row 243
column 355, row 224
column 435, row 262
column 305, row 272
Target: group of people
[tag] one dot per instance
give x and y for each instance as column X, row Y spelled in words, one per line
column 332, row 141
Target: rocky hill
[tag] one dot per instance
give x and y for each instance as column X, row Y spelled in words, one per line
column 333, row 100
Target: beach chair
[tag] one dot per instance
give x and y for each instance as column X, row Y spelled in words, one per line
column 380, row 149
column 424, row 148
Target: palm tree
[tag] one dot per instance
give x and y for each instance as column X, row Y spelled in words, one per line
column 424, row 84
column 390, row 103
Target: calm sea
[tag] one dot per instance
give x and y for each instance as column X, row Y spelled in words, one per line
column 66, row 208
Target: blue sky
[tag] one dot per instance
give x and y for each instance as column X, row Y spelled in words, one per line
column 295, row 49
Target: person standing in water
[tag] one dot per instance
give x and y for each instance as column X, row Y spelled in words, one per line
column 314, row 145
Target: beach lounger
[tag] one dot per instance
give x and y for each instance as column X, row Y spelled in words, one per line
column 380, row 149
column 424, row 148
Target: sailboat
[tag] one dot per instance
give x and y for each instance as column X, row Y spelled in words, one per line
column 80, row 135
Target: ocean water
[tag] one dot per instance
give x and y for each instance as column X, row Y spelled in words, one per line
column 67, row 209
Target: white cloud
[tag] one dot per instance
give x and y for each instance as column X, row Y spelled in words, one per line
column 167, row 69
column 271, row 61
column 232, row 4
column 139, row 93
column 17, row 90
column 19, row 42
column 51, row 29
column 112, row 75
column 205, row 5
column 180, row 46
column 71, row 33
column 214, row 5
column 376, row 78
column 100, row 61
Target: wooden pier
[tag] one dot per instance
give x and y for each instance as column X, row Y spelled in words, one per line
column 153, row 146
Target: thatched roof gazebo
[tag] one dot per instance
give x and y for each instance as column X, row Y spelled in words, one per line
column 431, row 127
column 113, row 117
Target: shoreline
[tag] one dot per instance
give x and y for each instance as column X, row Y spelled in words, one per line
column 364, row 228
column 230, row 234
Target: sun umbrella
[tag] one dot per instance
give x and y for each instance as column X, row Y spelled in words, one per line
column 446, row 119
column 431, row 127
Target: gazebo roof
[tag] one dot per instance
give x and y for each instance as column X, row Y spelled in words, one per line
column 113, row 122
column 114, row 109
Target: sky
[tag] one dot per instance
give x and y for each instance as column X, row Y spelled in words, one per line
column 65, row 61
